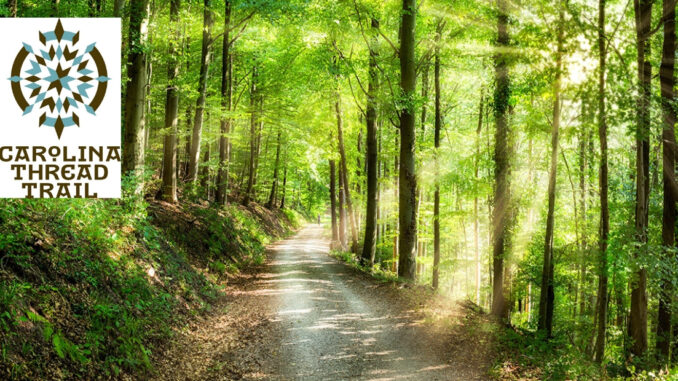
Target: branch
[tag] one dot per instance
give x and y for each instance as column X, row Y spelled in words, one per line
column 218, row 35
column 348, row 61
column 244, row 19
column 356, row 99
column 237, row 35
column 616, row 28
column 396, row 50
column 396, row 125
column 390, row 87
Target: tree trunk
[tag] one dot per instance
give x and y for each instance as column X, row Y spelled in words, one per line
column 117, row 7
column 13, row 8
column 638, row 313
column 333, row 204
column 205, row 58
column 169, row 162
column 407, row 211
column 284, row 187
column 357, row 170
column 583, row 247
column 205, row 172
column 601, row 312
column 668, row 83
column 424, row 96
column 258, row 144
column 371, row 154
column 438, row 125
column 344, row 175
column 135, row 95
column 502, row 154
column 226, row 105
column 476, row 214
column 272, row 197
column 253, row 136
column 342, row 212
column 547, row 296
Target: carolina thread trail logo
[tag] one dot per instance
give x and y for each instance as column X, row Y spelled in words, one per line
column 53, row 78
column 63, row 140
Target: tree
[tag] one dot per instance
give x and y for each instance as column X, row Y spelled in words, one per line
column 346, row 185
column 668, row 82
column 407, row 192
column 169, row 162
column 342, row 211
column 205, row 58
column 254, row 96
column 601, row 309
column 438, row 125
column 500, row 211
column 274, row 183
column 13, row 8
column 638, row 314
column 135, row 95
column 476, row 172
column 369, row 244
column 547, row 297
column 226, row 105
column 333, row 204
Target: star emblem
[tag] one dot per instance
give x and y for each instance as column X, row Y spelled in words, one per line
column 55, row 77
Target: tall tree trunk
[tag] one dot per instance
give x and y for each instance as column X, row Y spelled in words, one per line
column 502, row 154
column 333, row 203
column 253, row 136
column 601, row 310
column 407, row 211
column 205, row 58
column 274, row 186
column 583, row 247
column 342, row 212
column 476, row 214
column 260, row 130
column 547, row 296
column 205, row 172
column 169, row 162
column 668, row 94
column 135, row 95
column 638, row 313
column 424, row 96
column 371, row 154
column 344, row 175
column 359, row 165
column 436, row 143
column 284, row 187
column 226, row 105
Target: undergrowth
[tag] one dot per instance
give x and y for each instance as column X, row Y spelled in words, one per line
column 527, row 355
column 377, row 271
column 91, row 288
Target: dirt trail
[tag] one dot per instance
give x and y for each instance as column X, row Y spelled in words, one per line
column 307, row 316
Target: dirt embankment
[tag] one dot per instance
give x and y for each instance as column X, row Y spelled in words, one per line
column 93, row 289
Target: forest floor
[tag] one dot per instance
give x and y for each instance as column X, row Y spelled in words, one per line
column 305, row 315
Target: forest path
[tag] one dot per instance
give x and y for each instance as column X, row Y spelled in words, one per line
column 308, row 316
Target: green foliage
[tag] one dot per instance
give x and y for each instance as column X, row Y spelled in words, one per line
column 538, row 358
column 110, row 279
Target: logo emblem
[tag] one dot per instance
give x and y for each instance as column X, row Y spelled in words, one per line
column 59, row 78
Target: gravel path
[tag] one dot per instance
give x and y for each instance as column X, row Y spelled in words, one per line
column 308, row 316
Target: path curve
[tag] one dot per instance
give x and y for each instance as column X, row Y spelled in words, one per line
column 336, row 325
column 307, row 316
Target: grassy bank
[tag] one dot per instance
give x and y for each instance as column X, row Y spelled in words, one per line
column 91, row 288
